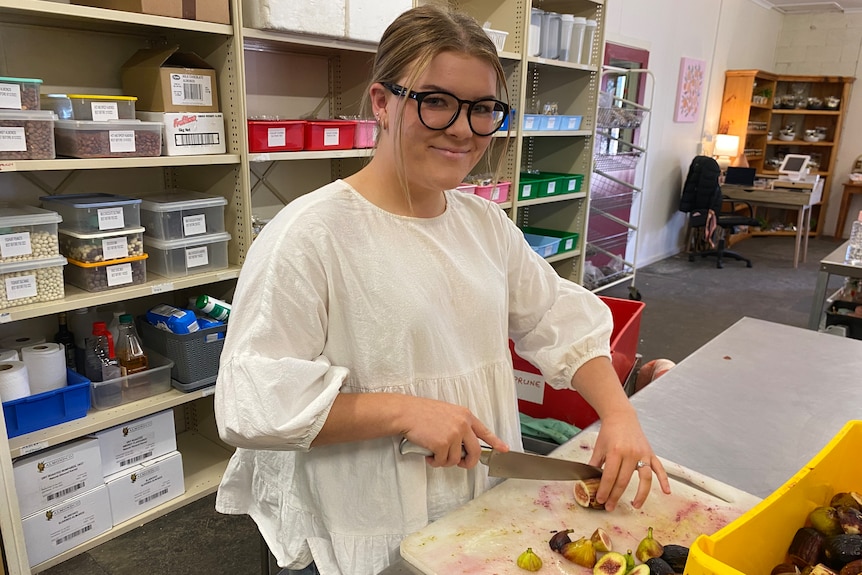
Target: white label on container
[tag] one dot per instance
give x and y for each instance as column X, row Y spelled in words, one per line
column 194, row 225
column 191, row 89
column 495, row 193
column 276, row 137
column 552, row 187
column 552, row 122
column 568, row 244
column 526, row 190
column 111, row 218
column 330, row 136
column 10, row 96
column 104, row 111
column 121, row 141
column 20, row 286
column 12, row 245
column 572, row 184
column 13, row 140
column 530, row 386
column 528, row 123
column 115, row 248
column 119, row 274
column 196, row 257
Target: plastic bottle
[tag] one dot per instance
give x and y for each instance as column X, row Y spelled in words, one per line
column 587, row 54
column 102, row 363
column 854, row 249
column 215, row 308
column 173, row 319
column 114, row 326
column 130, row 351
column 65, row 337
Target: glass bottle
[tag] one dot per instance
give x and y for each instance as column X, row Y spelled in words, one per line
column 101, row 363
column 130, row 351
column 65, row 337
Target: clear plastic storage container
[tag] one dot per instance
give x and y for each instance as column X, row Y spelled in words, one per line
column 33, row 281
column 96, row 277
column 27, row 135
column 154, row 380
column 90, row 107
column 19, row 93
column 95, row 212
column 110, row 139
column 178, row 214
column 182, row 257
column 27, row 233
column 98, row 247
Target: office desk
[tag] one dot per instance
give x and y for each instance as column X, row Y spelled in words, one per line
column 833, row 264
column 800, row 200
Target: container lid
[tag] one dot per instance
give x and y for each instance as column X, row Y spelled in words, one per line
column 25, row 265
column 97, row 235
column 99, row 97
column 22, row 215
column 23, row 80
column 185, row 242
column 109, row 124
column 43, row 115
column 91, row 200
column 107, row 263
column 175, row 200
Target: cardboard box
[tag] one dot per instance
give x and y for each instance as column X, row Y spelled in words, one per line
column 137, row 441
column 145, row 486
column 189, row 133
column 59, row 528
column 54, row 475
column 203, row 10
column 166, row 80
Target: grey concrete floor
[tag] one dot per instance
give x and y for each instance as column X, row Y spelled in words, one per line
column 687, row 304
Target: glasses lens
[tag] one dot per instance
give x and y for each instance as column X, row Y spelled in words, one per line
column 486, row 116
column 438, row 110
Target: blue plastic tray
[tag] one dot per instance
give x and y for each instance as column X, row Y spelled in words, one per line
column 49, row 408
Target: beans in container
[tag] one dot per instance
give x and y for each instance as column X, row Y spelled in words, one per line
column 110, row 139
column 19, row 93
column 27, row 233
column 99, row 247
column 95, row 212
column 96, row 277
column 32, row 281
column 27, row 135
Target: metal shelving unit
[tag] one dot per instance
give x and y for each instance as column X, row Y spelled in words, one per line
column 616, row 190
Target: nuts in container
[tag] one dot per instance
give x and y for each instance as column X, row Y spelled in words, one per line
column 26, row 135
column 98, row 247
column 19, row 93
column 27, row 233
column 111, row 139
column 33, row 281
column 96, row 277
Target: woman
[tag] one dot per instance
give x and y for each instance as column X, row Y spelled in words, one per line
column 379, row 307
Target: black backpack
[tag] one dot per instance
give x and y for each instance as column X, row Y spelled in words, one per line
column 701, row 191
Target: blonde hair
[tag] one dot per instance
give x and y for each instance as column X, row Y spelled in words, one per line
column 410, row 43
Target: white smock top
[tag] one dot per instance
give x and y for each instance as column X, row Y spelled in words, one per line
column 339, row 296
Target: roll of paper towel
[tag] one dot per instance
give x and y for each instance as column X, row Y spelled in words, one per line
column 19, row 342
column 14, row 383
column 9, row 355
column 46, row 365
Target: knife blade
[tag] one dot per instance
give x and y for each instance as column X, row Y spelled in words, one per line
column 515, row 464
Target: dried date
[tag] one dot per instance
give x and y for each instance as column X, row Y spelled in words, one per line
column 97, row 144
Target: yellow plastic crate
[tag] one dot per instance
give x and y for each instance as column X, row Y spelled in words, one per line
column 758, row 541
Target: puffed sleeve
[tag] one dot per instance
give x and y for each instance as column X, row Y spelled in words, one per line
column 275, row 387
column 556, row 324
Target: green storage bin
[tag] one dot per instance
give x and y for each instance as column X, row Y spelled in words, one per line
column 541, row 185
column 568, row 240
column 568, row 183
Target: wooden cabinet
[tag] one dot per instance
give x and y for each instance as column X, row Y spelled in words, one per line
column 775, row 115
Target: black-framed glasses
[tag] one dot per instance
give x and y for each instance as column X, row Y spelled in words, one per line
column 439, row 110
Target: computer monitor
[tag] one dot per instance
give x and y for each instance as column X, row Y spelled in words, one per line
column 794, row 166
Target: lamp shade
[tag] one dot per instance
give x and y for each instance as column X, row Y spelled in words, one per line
column 726, row 145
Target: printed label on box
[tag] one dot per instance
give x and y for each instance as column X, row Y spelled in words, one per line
column 495, row 193
column 21, row 286
column 194, row 225
column 12, row 245
column 191, row 89
column 552, row 122
column 115, row 248
column 528, row 123
column 10, row 96
column 568, row 244
column 207, row 139
column 330, row 136
column 13, row 140
column 526, row 190
column 552, row 187
column 276, row 137
column 572, row 184
column 119, row 274
column 530, row 386
column 196, row 257
column 111, row 218
column 104, row 111
column 121, row 141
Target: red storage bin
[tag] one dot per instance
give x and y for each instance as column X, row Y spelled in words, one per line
column 275, row 135
column 538, row 399
column 329, row 135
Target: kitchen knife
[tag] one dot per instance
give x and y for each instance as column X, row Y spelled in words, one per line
column 515, row 464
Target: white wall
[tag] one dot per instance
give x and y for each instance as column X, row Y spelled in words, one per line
column 727, row 34
column 823, row 45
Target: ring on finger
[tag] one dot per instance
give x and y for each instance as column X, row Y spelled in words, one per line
column 641, row 464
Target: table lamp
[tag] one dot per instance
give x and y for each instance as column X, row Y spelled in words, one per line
column 726, row 148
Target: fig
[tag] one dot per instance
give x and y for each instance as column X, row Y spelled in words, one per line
column 825, row 520
column 580, row 552
column 658, row 566
column 847, row 499
column 529, row 561
column 648, row 548
column 852, row 568
column 805, row 547
column 585, row 493
column 840, row 550
column 611, row 563
column 601, row 540
column 675, row 556
column 850, row 519
column 785, row 569
column 630, row 561
column 559, row 539
column 642, row 569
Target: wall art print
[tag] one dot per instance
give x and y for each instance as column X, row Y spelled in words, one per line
column 692, row 77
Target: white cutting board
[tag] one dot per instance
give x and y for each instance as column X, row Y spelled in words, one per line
column 486, row 535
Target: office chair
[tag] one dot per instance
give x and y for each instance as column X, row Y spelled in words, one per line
column 703, row 202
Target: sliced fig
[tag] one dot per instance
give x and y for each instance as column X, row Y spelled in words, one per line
column 559, row 539
column 585, row 493
column 601, row 541
column 580, row 552
column 642, row 569
column 611, row 563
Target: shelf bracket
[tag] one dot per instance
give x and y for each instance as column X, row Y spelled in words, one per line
column 51, row 191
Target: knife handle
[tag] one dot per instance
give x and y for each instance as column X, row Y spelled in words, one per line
column 408, row 447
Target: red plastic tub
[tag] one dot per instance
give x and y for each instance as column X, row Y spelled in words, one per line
column 537, row 399
column 329, row 135
column 275, row 135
